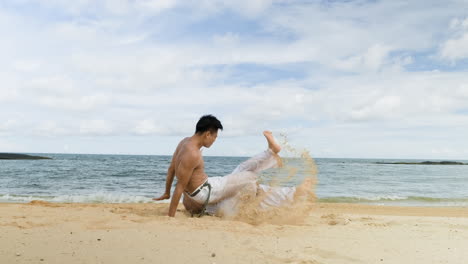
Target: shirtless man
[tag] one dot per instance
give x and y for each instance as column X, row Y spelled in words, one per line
column 188, row 166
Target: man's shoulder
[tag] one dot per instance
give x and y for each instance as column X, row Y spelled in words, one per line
column 183, row 145
column 189, row 151
column 183, row 142
column 192, row 152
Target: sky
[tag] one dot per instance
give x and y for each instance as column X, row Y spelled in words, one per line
column 341, row 79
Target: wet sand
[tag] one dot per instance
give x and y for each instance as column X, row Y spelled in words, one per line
column 141, row 233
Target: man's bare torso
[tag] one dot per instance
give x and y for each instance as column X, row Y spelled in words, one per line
column 198, row 176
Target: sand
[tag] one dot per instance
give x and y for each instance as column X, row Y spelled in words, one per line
column 141, row 233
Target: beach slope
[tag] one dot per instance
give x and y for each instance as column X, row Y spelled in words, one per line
column 40, row 232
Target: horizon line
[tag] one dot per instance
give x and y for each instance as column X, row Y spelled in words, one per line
column 123, row 154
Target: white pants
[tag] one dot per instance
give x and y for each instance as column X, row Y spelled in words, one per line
column 225, row 191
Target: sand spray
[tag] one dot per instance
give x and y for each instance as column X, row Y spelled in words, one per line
column 251, row 208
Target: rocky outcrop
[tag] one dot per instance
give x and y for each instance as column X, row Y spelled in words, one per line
column 426, row 163
column 14, row 156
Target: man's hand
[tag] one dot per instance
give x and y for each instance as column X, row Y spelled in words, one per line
column 162, row 197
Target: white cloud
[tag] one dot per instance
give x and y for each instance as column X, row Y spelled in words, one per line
column 8, row 125
column 156, row 5
column 96, row 127
column 50, row 128
column 148, row 127
column 462, row 91
column 74, row 103
column 247, row 8
column 379, row 109
column 26, row 66
column 107, row 7
column 51, row 85
column 455, row 49
column 371, row 60
column 228, row 39
column 126, row 68
column 8, row 146
column 457, row 24
column 8, row 94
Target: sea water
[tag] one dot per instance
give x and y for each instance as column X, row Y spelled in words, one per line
column 80, row 178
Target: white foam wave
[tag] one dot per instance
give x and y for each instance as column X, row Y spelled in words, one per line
column 89, row 198
column 400, row 200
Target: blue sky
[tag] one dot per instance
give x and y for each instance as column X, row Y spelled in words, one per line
column 373, row 79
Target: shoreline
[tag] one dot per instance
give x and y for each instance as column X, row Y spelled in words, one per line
column 396, row 204
column 348, row 208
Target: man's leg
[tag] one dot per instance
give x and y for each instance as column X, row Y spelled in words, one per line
column 243, row 180
column 284, row 196
column 232, row 184
column 275, row 147
column 264, row 160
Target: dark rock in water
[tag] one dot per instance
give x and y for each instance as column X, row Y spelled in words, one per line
column 14, row 156
column 443, row 163
column 425, row 163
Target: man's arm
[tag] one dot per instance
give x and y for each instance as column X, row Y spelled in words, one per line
column 169, row 179
column 184, row 173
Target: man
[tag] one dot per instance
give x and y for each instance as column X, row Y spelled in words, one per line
column 200, row 191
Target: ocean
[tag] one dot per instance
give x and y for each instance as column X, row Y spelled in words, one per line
column 82, row 178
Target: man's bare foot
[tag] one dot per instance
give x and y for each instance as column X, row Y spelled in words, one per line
column 275, row 147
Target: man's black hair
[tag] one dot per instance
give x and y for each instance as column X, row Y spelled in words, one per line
column 208, row 123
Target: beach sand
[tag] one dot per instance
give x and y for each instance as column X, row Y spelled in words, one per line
column 40, row 232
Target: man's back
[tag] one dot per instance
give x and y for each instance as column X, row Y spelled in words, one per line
column 187, row 152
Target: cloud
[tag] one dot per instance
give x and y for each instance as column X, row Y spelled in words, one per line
column 106, row 7
column 150, row 69
column 371, row 60
column 96, row 127
column 80, row 103
column 379, row 109
column 26, row 66
column 50, row 128
column 146, row 127
column 8, row 125
column 455, row 48
column 161, row 127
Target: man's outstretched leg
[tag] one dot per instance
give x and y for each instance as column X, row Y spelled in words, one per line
column 243, row 180
column 280, row 196
column 275, row 147
column 264, row 160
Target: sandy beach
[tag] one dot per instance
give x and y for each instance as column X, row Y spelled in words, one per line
column 41, row 232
